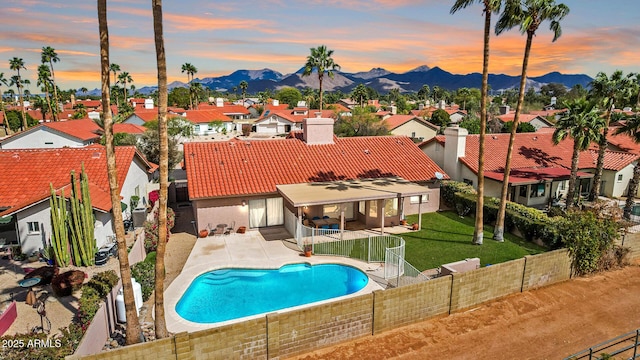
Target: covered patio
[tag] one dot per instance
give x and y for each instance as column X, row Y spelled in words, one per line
column 372, row 202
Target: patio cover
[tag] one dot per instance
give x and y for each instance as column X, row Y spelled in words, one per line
column 336, row 192
column 527, row 176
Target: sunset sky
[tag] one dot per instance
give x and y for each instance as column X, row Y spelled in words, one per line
column 219, row 37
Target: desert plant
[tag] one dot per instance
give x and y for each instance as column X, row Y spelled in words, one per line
column 83, row 242
column 103, row 282
column 151, row 230
column 59, row 229
column 88, row 305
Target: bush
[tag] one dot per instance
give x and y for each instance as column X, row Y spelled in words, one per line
column 62, row 345
column 103, row 282
column 145, row 275
column 151, row 230
column 88, row 305
column 449, row 189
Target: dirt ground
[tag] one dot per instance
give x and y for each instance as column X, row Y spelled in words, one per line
column 548, row 323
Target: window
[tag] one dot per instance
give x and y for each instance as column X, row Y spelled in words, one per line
column 334, row 210
column 373, row 208
column 468, row 181
column 48, row 142
column 523, row 191
column 537, row 190
column 361, row 206
column 391, row 207
column 413, row 134
column 34, row 227
column 416, row 199
column 619, row 177
column 563, row 185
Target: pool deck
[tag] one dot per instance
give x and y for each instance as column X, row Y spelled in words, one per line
column 249, row 250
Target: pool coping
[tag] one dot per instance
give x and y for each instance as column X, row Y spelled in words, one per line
column 249, row 251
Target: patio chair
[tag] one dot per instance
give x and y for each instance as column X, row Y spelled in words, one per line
column 335, row 226
column 326, row 217
column 315, row 218
column 324, row 226
column 219, row 230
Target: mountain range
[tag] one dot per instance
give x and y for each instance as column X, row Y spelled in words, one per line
column 377, row 78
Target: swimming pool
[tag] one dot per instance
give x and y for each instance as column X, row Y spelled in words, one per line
column 233, row 293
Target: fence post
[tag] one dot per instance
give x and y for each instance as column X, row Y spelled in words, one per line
column 369, row 250
column 635, row 347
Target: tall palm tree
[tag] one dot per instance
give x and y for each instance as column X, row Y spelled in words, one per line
column 16, row 64
column 608, row 90
column 114, row 68
column 5, row 82
column 50, row 56
column 582, row 122
column 359, row 94
column 631, row 127
column 195, row 89
column 160, row 323
column 321, row 60
column 243, row 87
column 425, row 89
column 133, row 332
column 84, row 90
column 124, row 78
column 528, row 15
column 490, row 6
column 44, row 80
column 191, row 70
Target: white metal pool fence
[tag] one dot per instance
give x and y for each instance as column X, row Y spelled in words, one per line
column 364, row 246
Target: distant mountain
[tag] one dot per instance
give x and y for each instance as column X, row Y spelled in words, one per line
column 377, row 78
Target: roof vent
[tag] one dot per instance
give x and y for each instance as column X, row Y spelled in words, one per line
column 366, row 151
column 535, row 138
column 16, row 156
column 96, row 155
column 494, row 137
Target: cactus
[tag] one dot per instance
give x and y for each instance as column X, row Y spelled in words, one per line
column 60, row 232
column 83, row 242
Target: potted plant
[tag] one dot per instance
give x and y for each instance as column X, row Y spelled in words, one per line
column 403, row 222
column 203, row 233
column 308, row 249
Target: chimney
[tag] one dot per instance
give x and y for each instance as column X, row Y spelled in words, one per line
column 420, row 106
column 394, row 109
column 318, row 130
column 443, row 104
column 504, row 109
column 219, row 102
column 148, row 103
column 454, row 148
column 73, row 101
column 276, row 102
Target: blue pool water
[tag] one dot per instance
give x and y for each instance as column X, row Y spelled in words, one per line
column 227, row 294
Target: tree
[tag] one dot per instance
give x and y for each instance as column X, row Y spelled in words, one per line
column 359, row 94
column 631, row 127
column 16, row 64
column 149, row 145
column 463, row 94
column 361, row 123
column 581, row 121
column 115, row 68
column 4, row 82
column 124, row 78
column 163, row 137
column 133, row 332
column 44, row 80
column 521, row 128
column 528, row 15
column 289, row 95
column 180, row 97
column 190, row 70
column 243, row 87
column 50, row 56
column 320, row 60
column 424, row 92
column 441, row 118
column 84, row 90
column 195, row 89
column 472, row 124
column 608, row 91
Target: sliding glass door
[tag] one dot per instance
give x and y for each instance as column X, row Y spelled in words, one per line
column 266, row 212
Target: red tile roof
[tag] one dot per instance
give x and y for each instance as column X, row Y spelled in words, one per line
column 128, row 128
column 524, row 118
column 536, row 151
column 206, row 116
column 26, row 174
column 623, row 142
column 83, row 129
column 296, row 118
column 255, row 167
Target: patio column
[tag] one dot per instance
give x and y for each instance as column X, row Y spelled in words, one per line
column 341, row 221
column 420, row 212
column 381, row 215
column 299, row 227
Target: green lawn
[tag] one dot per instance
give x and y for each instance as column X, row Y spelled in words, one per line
column 445, row 238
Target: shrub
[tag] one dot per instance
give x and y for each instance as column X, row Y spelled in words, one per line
column 88, row 305
column 144, row 272
column 151, row 230
column 449, row 189
column 103, row 282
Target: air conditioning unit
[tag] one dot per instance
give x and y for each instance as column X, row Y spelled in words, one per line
column 139, row 216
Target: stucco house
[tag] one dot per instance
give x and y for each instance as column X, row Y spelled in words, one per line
column 25, row 178
column 412, row 126
column 537, row 121
column 261, row 183
column 539, row 170
column 275, row 121
column 69, row 133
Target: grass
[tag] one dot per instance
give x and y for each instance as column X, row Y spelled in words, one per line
column 445, row 238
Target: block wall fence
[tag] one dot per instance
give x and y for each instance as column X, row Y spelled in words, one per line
column 279, row 335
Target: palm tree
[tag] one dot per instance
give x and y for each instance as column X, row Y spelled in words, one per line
column 243, row 87
column 490, row 6
column 44, row 80
column 133, row 332
column 84, row 90
column 50, row 56
column 359, row 94
column 394, row 95
column 195, row 89
column 528, row 15
column 321, row 60
column 114, row 68
column 3, row 81
column 160, row 323
column 190, row 70
column 581, row 121
column 425, row 89
column 124, row 78
column 608, row 90
column 631, row 127
column 16, row 64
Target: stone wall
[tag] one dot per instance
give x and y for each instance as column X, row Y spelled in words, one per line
column 631, row 241
column 546, row 269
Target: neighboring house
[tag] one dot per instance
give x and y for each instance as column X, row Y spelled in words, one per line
column 209, row 121
column 278, row 122
column 372, row 180
column 348, row 103
column 70, row 133
column 455, row 114
column 539, row 170
column 25, row 178
column 537, row 121
column 412, row 126
column 231, row 110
